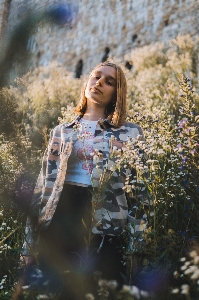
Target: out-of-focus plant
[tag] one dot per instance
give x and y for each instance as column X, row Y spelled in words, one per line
column 8, row 111
column 186, row 278
column 155, row 72
column 41, row 95
column 10, row 165
column 11, row 233
column 167, row 170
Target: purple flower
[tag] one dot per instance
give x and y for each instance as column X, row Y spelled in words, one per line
column 193, row 151
column 182, row 123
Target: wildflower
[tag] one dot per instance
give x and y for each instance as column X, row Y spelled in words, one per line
column 175, row 291
column 89, row 297
column 193, row 254
column 112, row 284
column 125, row 288
column 175, row 274
column 187, row 263
column 135, row 291
column 25, row 287
column 190, row 270
column 42, row 297
column 196, row 260
column 195, row 275
column 144, row 294
column 102, row 282
column 185, row 289
column 183, row 259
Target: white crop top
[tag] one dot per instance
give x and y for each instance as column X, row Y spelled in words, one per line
column 80, row 162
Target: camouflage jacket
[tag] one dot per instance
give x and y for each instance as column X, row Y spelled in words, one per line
column 110, row 207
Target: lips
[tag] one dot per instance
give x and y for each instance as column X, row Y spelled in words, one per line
column 95, row 89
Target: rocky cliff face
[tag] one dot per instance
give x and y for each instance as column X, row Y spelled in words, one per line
column 104, row 28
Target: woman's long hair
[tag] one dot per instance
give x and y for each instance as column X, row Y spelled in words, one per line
column 116, row 110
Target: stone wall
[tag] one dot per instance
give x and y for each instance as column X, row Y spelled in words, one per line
column 117, row 25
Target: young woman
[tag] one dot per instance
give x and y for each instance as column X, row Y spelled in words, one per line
column 78, row 226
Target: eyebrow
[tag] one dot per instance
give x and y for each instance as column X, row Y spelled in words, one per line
column 109, row 76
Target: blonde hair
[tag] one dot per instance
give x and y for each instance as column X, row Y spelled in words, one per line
column 116, row 110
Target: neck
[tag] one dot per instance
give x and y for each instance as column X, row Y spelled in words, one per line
column 94, row 115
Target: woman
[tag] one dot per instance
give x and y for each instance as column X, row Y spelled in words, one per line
column 81, row 219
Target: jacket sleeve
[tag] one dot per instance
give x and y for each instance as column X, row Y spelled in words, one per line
column 31, row 223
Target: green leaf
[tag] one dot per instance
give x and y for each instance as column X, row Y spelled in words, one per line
column 162, row 255
column 84, row 224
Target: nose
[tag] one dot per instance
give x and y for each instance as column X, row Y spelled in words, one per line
column 99, row 81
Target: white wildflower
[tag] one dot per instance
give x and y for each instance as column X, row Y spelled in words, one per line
column 175, row 291
column 126, row 288
column 112, row 284
column 195, row 275
column 135, row 291
column 144, row 294
column 89, row 297
column 175, row 273
column 196, row 260
column 25, row 287
column 185, row 289
column 42, row 297
column 193, row 253
column 190, row 270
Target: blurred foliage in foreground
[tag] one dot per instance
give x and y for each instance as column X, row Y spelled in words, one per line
column 168, row 174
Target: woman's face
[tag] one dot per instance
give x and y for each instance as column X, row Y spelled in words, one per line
column 101, row 86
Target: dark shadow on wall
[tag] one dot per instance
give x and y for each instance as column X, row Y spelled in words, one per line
column 106, row 53
column 79, row 68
